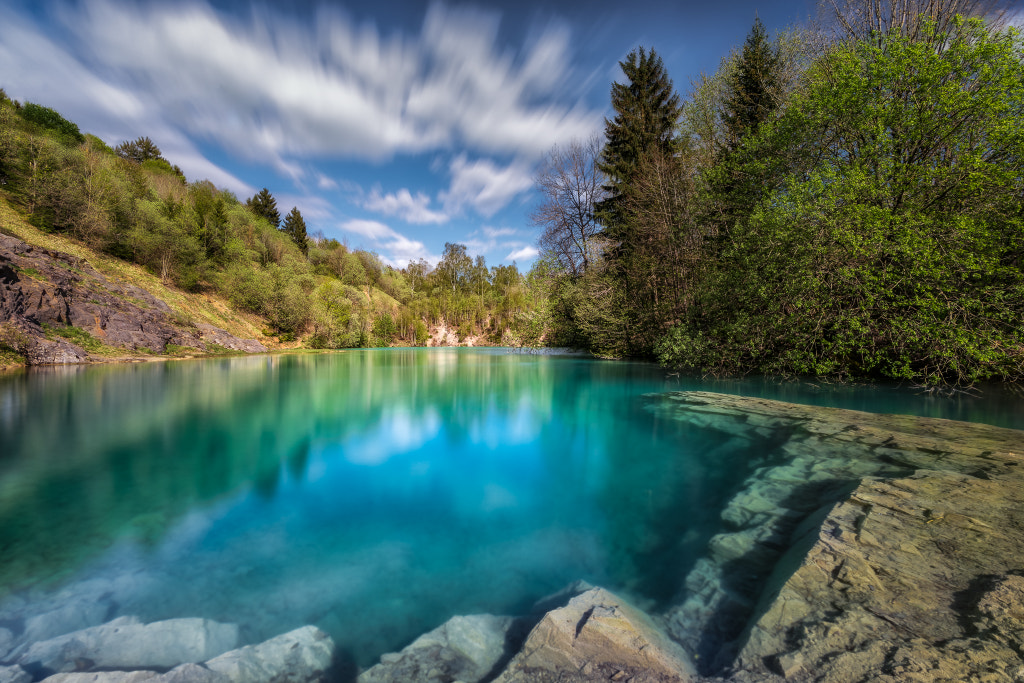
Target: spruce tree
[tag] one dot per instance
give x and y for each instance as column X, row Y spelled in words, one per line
column 754, row 87
column 646, row 111
column 138, row 150
column 295, row 227
column 264, row 205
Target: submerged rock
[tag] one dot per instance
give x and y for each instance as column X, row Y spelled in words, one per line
column 870, row 547
column 597, row 633
column 124, row 643
column 304, row 654
column 14, row 674
column 464, row 648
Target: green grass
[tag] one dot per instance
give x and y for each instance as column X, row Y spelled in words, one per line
column 82, row 338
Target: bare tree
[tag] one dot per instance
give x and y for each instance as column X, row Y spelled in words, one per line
column 571, row 185
column 873, row 19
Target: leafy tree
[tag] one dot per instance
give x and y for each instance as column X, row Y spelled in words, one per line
column 295, row 227
column 918, row 20
column 49, row 119
column 453, row 269
column 264, row 205
column 894, row 245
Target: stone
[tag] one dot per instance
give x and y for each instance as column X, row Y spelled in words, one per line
column 186, row 673
column 74, row 616
column 124, row 643
column 7, row 642
column 65, row 290
column 304, row 654
column 14, row 674
column 599, row 630
column 464, row 648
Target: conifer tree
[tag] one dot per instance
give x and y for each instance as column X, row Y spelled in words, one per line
column 754, row 86
column 646, row 111
column 138, row 150
column 295, row 227
column 264, row 205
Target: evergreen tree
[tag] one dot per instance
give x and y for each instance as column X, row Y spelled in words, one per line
column 138, row 150
column 646, row 111
column 295, row 227
column 264, row 205
column 754, row 86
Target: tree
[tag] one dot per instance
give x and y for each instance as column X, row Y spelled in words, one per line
column 893, row 247
column 264, row 205
column 454, row 267
column 295, row 227
column 753, row 87
column 138, row 150
column 571, row 186
column 916, row 20
column 646, row 111
column 50, row 119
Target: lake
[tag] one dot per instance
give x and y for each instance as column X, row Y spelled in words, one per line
column 373, row 493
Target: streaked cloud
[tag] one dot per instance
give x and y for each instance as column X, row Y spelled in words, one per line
column 404, row 205
column 275, row 89
column 393, row 247
column 484, row 185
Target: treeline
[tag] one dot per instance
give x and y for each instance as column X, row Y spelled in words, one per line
column 133, row 203
column 846, row 204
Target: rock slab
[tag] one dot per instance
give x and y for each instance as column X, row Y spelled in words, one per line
column 594, row 634
column 124, row 643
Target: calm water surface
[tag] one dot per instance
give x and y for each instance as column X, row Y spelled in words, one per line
column 372, row 493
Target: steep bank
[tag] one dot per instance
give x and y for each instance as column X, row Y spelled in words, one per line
column 63, row 303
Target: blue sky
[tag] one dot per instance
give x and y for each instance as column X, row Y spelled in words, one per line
column 392, row 125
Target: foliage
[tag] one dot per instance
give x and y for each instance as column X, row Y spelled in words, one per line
column 264, row 205
column 295, row 227
column 138, row 150
column 893, row 245
column 50, row 119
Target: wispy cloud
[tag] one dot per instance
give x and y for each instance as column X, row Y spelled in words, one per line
column 485, row 186
column 405, row 206
column 275, row 89
column 394, row 248
column 524, row 254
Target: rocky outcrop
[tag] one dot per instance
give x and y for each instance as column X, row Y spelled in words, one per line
column 40, row 287
column 871, row 547
column 599, row 635
column 304, row 654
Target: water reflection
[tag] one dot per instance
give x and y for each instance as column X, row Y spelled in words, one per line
column 373, row 493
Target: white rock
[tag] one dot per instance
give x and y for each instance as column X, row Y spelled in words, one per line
column 126, row 644
column 74, row 616
column 300, row 655
column 14, row 674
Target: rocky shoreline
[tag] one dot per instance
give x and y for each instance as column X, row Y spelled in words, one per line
column 866, row 548
column 40, row 288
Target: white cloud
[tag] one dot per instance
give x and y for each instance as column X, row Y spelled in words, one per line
column 403, row 205
column 325, row 183
column 394, row 248
column 498, row 232
column 485, row 186
column 524, row 254
column 275, row 90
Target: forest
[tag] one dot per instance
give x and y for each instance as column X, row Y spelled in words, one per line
column 842, row 200
column 132, row 203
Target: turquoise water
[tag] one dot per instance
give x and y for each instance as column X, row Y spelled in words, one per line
column 372, row 493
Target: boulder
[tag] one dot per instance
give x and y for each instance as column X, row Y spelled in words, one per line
column 304, row 654
column 124, row 643
column 14, row 674
column 464, row 648
column 73, row 616
column 186, row 673
column 597, row 633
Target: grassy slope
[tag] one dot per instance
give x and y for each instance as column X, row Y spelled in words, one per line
column 204, row 307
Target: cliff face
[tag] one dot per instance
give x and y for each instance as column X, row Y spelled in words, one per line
column 40, row 288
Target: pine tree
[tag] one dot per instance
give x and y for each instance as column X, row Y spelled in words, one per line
column 264, row 205
column 646, row 111
column 138, row 150
column 295, row 227
column 754, row 87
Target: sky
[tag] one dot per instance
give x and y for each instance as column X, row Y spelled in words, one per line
column 394, row 126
